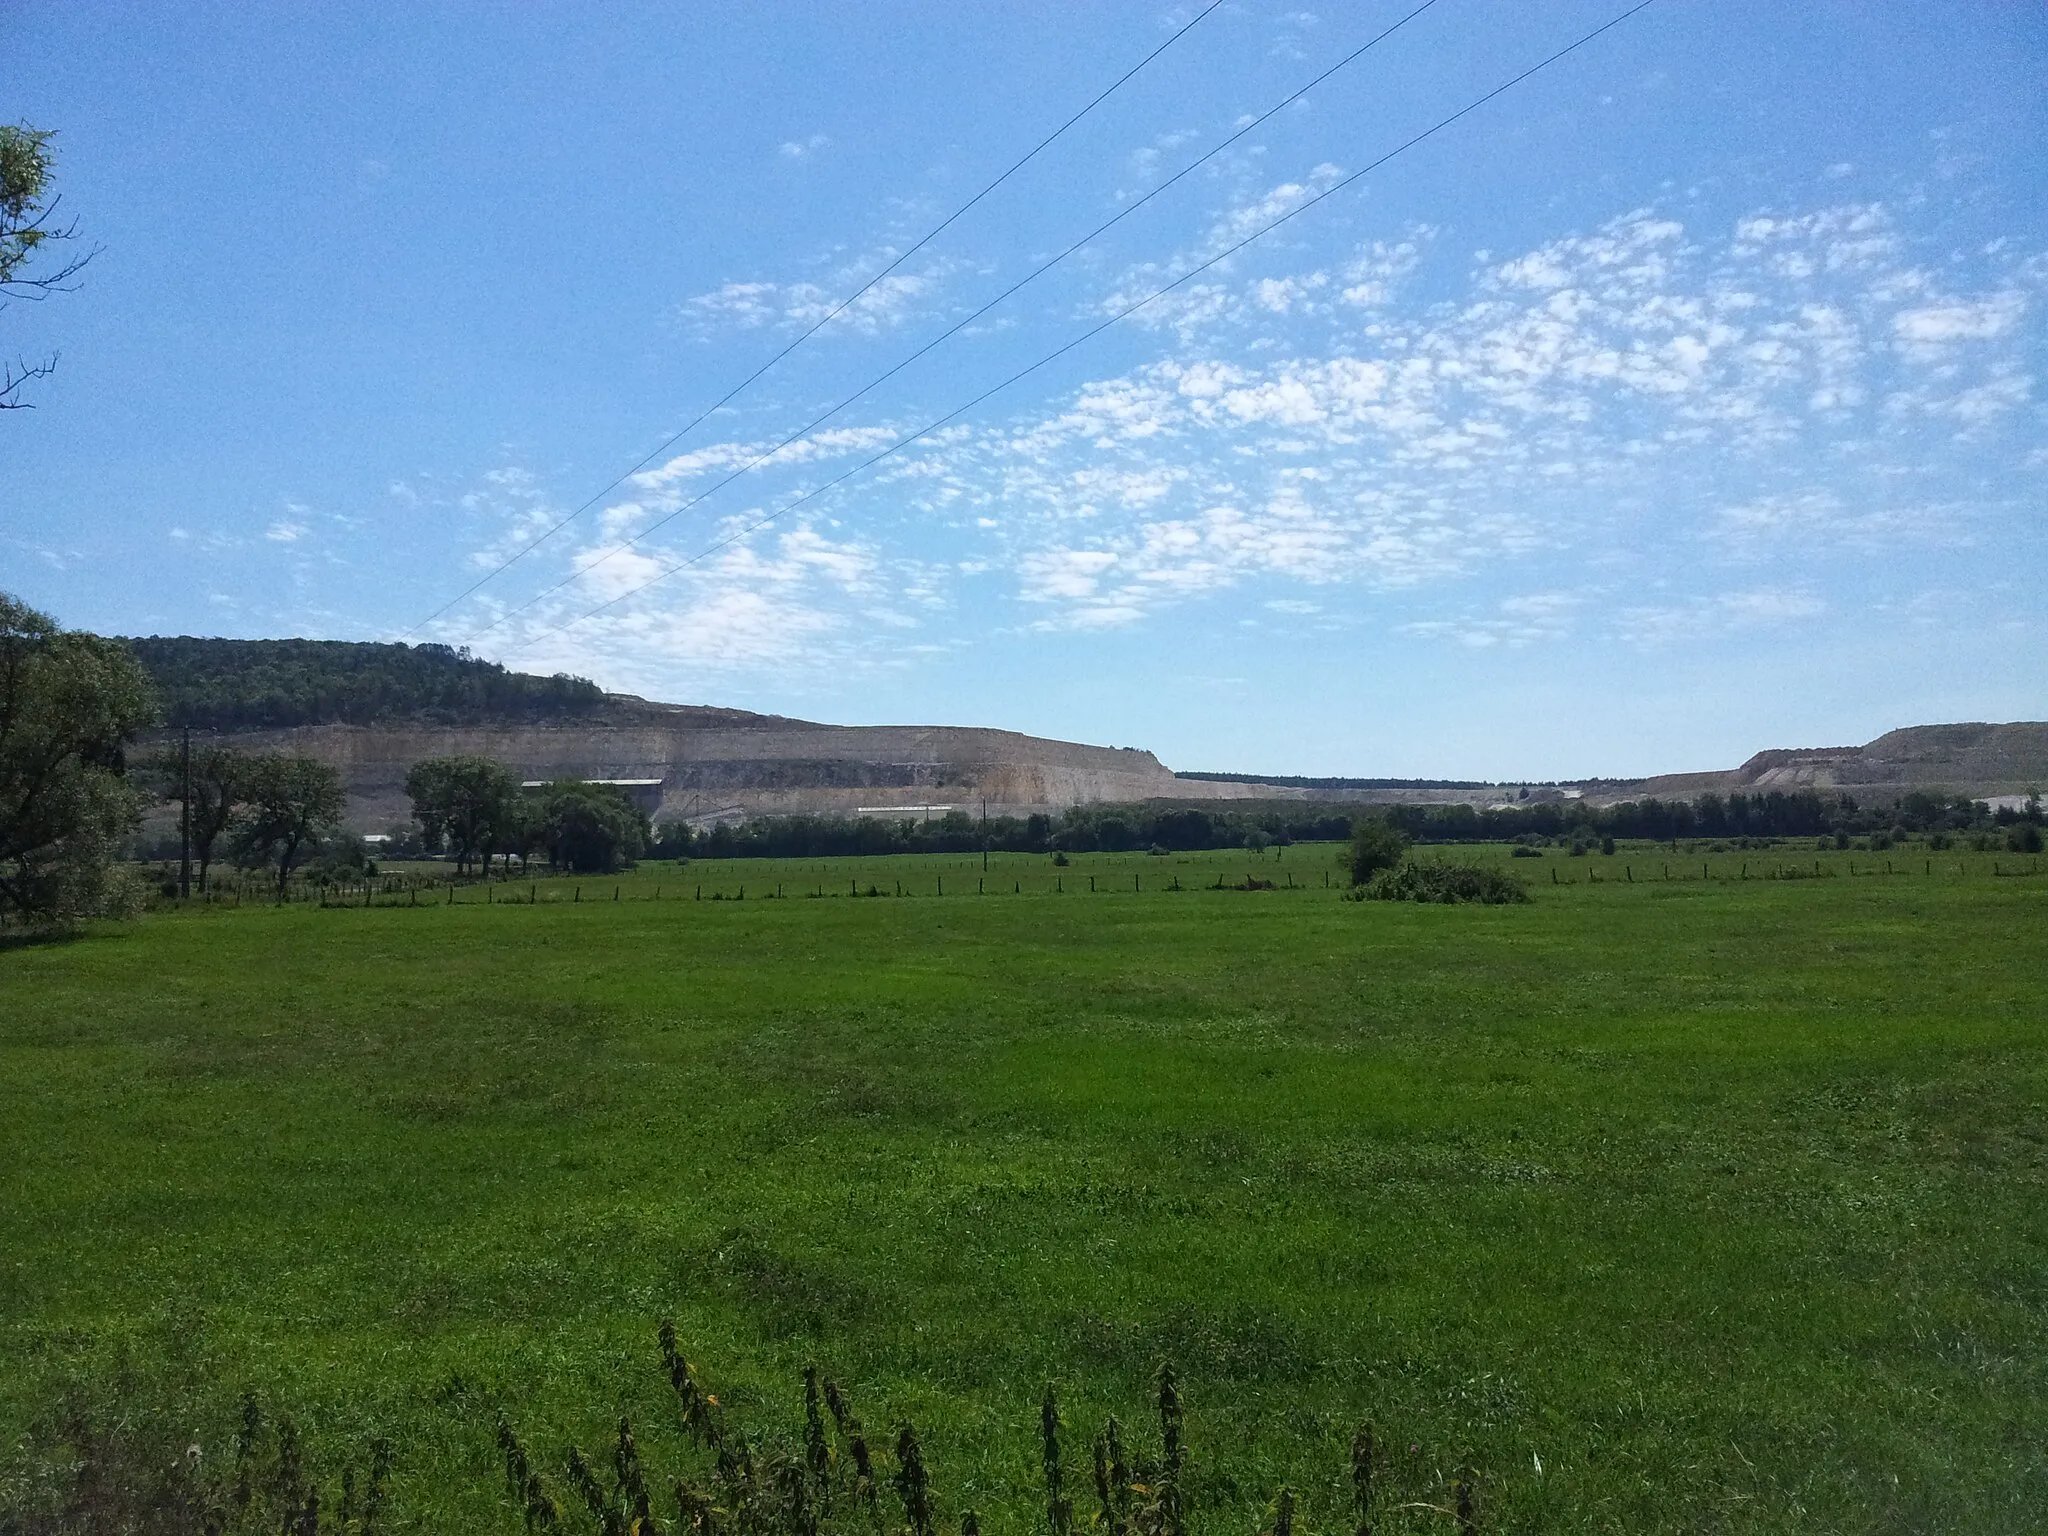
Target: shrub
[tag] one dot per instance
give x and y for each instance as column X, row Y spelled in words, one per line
column 1525, row 852
column 1442, row 883
column 1376, row 845
column 2024, row 838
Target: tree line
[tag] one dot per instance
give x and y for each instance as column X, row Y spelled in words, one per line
column 1174, row 829
column 231, row 685
column 71, row 703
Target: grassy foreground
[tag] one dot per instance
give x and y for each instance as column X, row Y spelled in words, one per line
column 1667, row 1205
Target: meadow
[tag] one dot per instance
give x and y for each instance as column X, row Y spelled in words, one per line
column 1705, row 1192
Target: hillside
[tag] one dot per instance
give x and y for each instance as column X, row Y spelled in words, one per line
column 229, row 685
column 373, row 710
column 1975, row 758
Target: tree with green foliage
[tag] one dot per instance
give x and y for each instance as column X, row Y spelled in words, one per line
column 592, row 828
column 210, row 799
column 69, row 703
column 465, row 804
column 291, row 803
column 27, row 209
column 1376, row 844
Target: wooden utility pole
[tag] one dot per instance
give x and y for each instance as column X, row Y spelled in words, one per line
column 185, row 818
column 984, row 834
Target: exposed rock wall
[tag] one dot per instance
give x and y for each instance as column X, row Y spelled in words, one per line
column 716, row 763
column 712, row 768
column 1976, row 759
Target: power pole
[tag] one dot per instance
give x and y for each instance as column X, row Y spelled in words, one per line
column 185, row 818
column 984, row 834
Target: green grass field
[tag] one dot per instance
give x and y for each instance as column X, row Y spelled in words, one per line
column 1668, row 1204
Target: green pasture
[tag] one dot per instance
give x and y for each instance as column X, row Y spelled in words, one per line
column 1704, row 1193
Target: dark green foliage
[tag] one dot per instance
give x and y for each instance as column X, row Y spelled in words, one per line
column 1173, row 1453
column 468, row 805
column 1575, row 824
column 788, row 1494
column 291, row 805
column 913, row 1484
column 249, row 684
column 591, row 828
column 1296, row 781
column 1445, row 883
column 2024, row 838
column 117, row 1470
column 1361, row 1479
column 26, row 228
column 216, row 781
column 817, row 1452
column 69, row 703
column 1376, row 844
column 1059, row 1509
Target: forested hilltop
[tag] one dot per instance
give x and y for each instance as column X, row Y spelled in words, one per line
column 250, row 684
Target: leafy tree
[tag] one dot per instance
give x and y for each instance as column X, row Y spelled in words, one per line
column 466, row 803
column 524, row 831
column 1376, row 844
column 592, row 828
column 291, row 804
column 217, row 776
column 26, row 209
column 68, row 704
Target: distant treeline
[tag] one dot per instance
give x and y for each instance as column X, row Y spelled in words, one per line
column 1292, row 781
column 245, row 684
column 1118, row 828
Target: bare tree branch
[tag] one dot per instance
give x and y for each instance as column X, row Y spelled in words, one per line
column 17, row 373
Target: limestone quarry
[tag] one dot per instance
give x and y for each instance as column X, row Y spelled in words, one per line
column 716, row 764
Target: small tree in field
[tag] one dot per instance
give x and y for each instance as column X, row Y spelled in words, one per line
column 292, row 804
column 1376, row 844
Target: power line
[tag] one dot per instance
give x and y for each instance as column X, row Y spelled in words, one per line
column 958, row 326
column 843, row 305
column 1088, row 335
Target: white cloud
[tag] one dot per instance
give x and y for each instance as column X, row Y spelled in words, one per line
column 1514, row 623
column 1931, row 329
column 882, row 305
column 285, row 531
column 1643, row 393
column 1720, row 614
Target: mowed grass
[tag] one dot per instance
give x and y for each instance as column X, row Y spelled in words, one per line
column 1686, row 1204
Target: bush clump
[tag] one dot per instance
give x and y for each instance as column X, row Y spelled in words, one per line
column 1442, row 883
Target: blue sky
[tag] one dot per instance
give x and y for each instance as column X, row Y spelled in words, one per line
column 1683, row 401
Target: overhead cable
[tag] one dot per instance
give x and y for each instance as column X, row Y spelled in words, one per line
column 958, row 326
column 1093, row 331
column 844, row 304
